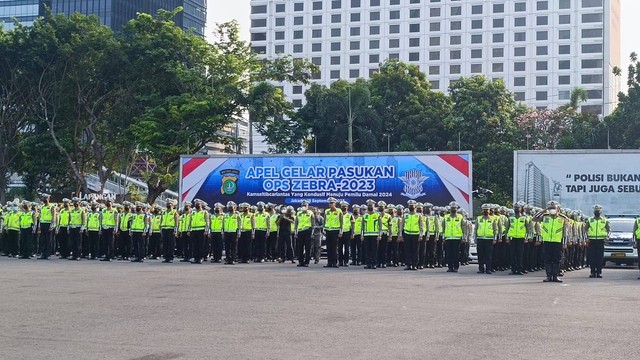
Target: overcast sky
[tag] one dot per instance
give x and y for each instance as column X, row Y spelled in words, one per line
column 226, row 10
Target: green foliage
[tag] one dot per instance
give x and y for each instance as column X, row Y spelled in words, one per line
column 624, row 123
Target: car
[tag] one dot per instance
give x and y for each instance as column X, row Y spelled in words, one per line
column 619, row 247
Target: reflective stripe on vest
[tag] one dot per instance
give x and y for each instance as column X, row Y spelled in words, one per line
column 168, row 220
column 198, row 220
column 216, row 223
column 332, row 219
column 46, row 214
column 231, row 222
column 517, row 227
column 371, row 224
column 137, row 225
column 597, row 228
column 411, row 224
column 453, row 227
column 485, row 228
column 552, row 230
column 109, row 218
column 93, row 221
column 261, row 221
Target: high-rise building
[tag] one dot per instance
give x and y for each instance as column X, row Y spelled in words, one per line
column 542, row 49
column 113, row 13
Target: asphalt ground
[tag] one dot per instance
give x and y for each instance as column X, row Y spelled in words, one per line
column 62, row 309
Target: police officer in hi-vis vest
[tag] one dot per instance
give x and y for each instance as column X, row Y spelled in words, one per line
column 77, row 225
column 110, row 223
column 454, row 232
column 333, row 229
column 94, row 229
column 411, row 231
column 552, row 227
column 303, row 227
column 345, row 240
column 486, row 237
column 598, row 229
column 169, row 231
column 517, row 231
column 46, row 227
column 371, row 233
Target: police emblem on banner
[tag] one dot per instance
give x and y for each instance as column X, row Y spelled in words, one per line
column 229, row 181
column 413, row 180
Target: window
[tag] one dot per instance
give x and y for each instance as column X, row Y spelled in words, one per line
column 317, row 5
column 414, row 1
column 520, row 7
column 297, row 103
column 317, row 75
column 455, row 40
column 258, row 23
column 279, row 21
column 434, row 70
column 355, row 3
column 564, row 19
column 298, row 20
column 594, row 94
column 476, row 39
column 298, row 6
column 434, row 41
column 564, row 65
column 591, row 3
column 280, row 8
column 354, row 59
column 456, row 10
column 564, row 95
column 541, row 95
column 374, row 58
column 497, row 52
column 542, row 35
column 374, row 44
column 297, row 89
column 354, row 73
column 316, row 60
column 354, row 31
column 335, row 46
column 394, row 2
column 354, row 45
column 592, row 79
column 414, row 28
column 542, row 50
column 542, row 20
column 434, row 26
column 476, row 24
column 334, row 74
column 519, row 96
column 414, row 56
column 414, row 13
column 336, row 18
column 592, row 64
column 520, row 51
column 542, row 65
column 592, row 109
column 434, row 55
column 279, row 35
column 374, row 30
column 336, row 4
column 298, row 34
column 316, row 19
column 454, row 69
column 564, row 79
column 394, row 43
column 564, row 49
column 592, row 18
column 394, row 14
column 520, row 36
column 519, row 81
column 414, row 42
column 297, row 48
column 435, row 84
column 564, row 4
column 564, row 34
column 498, row 38
column 355, row 17
column 476, row 53
column 455, row 55
column 519, row 21
column 336, row 32
column 498, row 23
column 476, row 9
column 542, row 5
column 591, row 33
column 373, row 72
column 497, row 67
column 258, row 36
column 394, row 56
column 316, row 47
column 542, row 80
column 374, row 15
column 498, row 8
column 456, row 25
column 316, row 33
column 259, row 9
column 394, row 29
column 476, row 68
column 375, row 3
column 591, row 48
column 278, row 49
column 434, row 12
column 519, row 66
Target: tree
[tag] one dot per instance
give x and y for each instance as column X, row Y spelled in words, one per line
column 623, row 124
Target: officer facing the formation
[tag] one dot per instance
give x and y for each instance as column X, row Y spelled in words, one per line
column 552, row 227
column 486, row 236
column 453, row 235
column 597, row 233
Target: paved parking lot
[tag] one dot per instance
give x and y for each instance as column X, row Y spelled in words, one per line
column 93, row 310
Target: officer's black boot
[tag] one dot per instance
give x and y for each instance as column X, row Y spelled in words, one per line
column 548, row 269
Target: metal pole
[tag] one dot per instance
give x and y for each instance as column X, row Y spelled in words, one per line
column 315, row 144
column 608, row 143
column 459, row 142
column 388, row 143
column 350, row 126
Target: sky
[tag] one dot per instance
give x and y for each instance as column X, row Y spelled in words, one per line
column 226, row 10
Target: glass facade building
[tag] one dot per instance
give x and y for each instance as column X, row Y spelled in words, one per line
column 24, row 11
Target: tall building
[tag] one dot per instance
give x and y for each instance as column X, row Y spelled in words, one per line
column 535, row 188
column 113, row 13
column 542, row 49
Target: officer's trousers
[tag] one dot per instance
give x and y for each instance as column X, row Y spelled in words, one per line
column 453, row 253
column 216, row 246
column 303, row 246
column 596, row 256
column 94, row 243
column 285, row 249
column 63, row 242
column 371, row 249
column 76, row 241
column 26, row 242
column 155, row 244
column 440, row 251
column 244, row 246
column 517, row 252
column 332, row 247
column 13, row 242
column 137, row 239
column 431, row 250
column 108, row 240
column 197, row 240
column 316, row 240
column 383, row 244
column 392, row 251
column 185, row 244
column 422, row 252
column 230, row 244
column 485, row 254
column 343, row 248
column 259, row 245
column 124, row 244
column 356, row 249
column 552, row 255
column 410, row 249
column 46, row 240
column 272, row 245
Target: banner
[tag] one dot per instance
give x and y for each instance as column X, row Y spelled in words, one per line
column 578, row 179
column 438, row 178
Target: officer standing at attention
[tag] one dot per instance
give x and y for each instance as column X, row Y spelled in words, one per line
column 386, row 213
column 217, row 232
column 372, row 233
column 486, row 235
column 453, row 234
column 169, row 231
column 62, row 229
column 345, row 240
column 231, row 230
column 272, row 239
column 184, row 247
column 303, row 227
column 316, row 233
column 78, row 219
column 552, row 228
column 46, row 227
column 247, row 233
column 430, row 234
column 598, row 229
column 411, row 231
column 138, row 227
column 27, row 231
column 94, row 229
column 198, row 230
column 356, row 236
column 517, row 232
column 262, row 232
column 110, row 221
column 333, row 227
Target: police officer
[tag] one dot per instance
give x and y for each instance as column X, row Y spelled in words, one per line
column 453, row 235
column 431, row 232
column 552, row 228
column 62, row 229
column 94, row 229
column 316, row 233
column 46, row 227
column 247, row 233
column 303, row 225
column 231, row 231
column 285, row 223
column 262, row 219
column 110, row 222
column 272, row 239
column 27, row 230
column 371, row 233
column 198, row 229
column 411, row 232
column 123, row 234
column 77, row 221
column 486, row 236
column 517, row 227
column 217, row 232
column 138, row 227
column 598, row 229
column 385, row 223
column 356, row 236
column 333, row 228
column 345, row 240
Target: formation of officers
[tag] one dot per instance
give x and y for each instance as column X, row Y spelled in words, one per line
column 374, row 235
